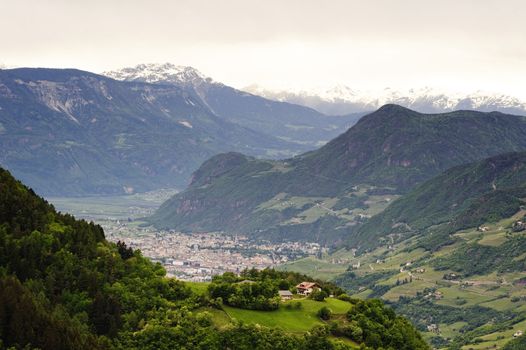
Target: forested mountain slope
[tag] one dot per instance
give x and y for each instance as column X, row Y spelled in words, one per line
column 324, row 194
column 449, row 255
column 63, row 286
column 461, row 197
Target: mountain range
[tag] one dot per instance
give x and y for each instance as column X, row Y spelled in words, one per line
column 426, row 211
column 324, row 195
column 290, row 122
column 342, row 99
column 69, row 132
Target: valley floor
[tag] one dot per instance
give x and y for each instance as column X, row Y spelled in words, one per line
column 187, row 256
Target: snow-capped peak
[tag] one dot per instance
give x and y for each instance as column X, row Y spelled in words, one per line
column 155, row 73
column 342, row 99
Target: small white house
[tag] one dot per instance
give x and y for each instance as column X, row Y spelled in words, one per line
column 285, row 295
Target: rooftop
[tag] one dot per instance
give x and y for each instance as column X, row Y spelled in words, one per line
column 285, row 293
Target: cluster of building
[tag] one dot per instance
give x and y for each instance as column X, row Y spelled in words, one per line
column 199, row 256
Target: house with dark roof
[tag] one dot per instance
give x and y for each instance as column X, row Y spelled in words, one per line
column 285, row 295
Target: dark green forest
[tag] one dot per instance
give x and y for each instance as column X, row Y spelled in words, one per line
column 63, row 286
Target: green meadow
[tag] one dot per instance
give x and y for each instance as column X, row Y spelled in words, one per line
column 289, row 319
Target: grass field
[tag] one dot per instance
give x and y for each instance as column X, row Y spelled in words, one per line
column 198, row 287
column 290, row 320
column 497, row 340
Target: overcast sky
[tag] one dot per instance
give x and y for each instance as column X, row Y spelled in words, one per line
column 459, row 45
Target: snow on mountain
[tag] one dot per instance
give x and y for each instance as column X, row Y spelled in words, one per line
column 336, row 100
column 154, row 73
column 185, row 77
column 342, row 99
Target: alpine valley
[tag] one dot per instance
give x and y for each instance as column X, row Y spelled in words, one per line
column 64, row 286
column 426, row 212
column 263, row 175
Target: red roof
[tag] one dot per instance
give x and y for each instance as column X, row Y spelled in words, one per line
column 307, row 285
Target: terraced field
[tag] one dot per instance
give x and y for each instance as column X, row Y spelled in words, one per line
column 412, row 273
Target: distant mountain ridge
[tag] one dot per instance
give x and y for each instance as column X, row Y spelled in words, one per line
column 342, row 99
column 69, row 132
column 390, row 150
column 155, row 73
column 304, row 126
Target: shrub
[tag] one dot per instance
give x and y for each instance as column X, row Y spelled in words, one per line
column 325, row 313
column 318, row 295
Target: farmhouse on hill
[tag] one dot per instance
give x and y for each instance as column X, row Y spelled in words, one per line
column 306, row 288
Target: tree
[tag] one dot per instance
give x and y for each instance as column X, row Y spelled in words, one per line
column 124, row 251
column 318, row 295
column 325, row 313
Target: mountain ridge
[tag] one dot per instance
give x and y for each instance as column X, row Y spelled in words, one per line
column 385, row 154
column 341, row 99
column 70, row 132
column 291, row 122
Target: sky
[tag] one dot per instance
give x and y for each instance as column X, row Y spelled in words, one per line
column 453, row 45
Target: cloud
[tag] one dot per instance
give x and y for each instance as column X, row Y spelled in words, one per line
column 275, row 42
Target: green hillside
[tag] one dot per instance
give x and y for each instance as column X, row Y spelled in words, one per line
column 291, row 319
column 516, row 344
column 450, row 255
column 325, row 194
column 472, row 290
column 462, row 197
column 63, row 286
